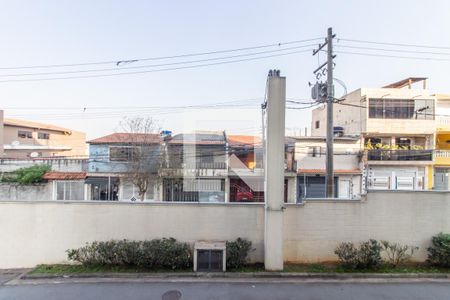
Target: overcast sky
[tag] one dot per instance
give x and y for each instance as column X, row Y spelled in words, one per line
column 60, row 32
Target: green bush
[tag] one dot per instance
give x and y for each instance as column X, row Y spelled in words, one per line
column 154, row 254
column 367, row 256
column 397, row 254
column 27, row 175
column 439, row 252
column 348, row 255
column 237, row 252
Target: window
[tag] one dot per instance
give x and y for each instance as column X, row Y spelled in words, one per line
column 404, row 143
column 122, row 153
column 314, row 151
column 317, row 124
column 25, row 134
column 43, row 135
column 401, row 109
column 69, row 190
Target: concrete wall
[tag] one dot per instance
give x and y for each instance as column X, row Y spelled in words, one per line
column 314, row 230
column 56, row 164
column 32, row 192
column 40, row 232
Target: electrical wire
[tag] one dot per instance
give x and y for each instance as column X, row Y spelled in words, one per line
column 161, row 57
column 393, row 50
column 393, row 56
column 158, row 70
column 393, row 44
column 154, row 65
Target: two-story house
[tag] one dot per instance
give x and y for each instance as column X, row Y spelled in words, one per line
column 440, row 178
column 396, row 125
column 26, row 139
column 196, row 167
column 113, row 161
column 310, row 154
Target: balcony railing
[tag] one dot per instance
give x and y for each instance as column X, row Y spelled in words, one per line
column 197, row 165
column 442, row 153
column 400, row 155
column 443, row 120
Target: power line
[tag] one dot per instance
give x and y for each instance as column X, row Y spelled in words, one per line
column 393, row 50
column 152, row 71
column 394, row 44
column 154, row 65
column 394, row 56
column 117, row 62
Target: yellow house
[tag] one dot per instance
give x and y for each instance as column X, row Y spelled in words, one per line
column 441, row 168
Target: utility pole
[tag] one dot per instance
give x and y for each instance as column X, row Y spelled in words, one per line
column 324, row 92
column 274, row 171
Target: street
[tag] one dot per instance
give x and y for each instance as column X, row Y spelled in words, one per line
column 226, row 290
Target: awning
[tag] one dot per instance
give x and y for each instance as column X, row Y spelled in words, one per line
column 64, row 176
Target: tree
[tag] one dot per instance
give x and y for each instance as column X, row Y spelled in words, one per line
column 143, row 153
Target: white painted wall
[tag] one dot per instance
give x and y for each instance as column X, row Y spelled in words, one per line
column 40, row 232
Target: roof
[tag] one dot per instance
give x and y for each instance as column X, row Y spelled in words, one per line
column 243, row 140
column 127, row 138
column 323, row 138
column 405, row 82
column 64, row 176
column 198, row 139
column 322, row 171
column 34, row 125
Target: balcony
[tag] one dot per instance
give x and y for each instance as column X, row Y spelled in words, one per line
column 442, row 157
column 400, row 155
column 442, row 123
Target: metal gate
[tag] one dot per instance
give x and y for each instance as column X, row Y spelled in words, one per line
column 441, row 179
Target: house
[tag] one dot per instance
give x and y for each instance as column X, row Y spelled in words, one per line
column 114, row 159
column 439, row 174
column 396, row 125
column 310, row 155
column 196, row 168
column 26, row 139
column 246, row 169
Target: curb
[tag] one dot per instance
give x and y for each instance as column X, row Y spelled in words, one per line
column 250, row 275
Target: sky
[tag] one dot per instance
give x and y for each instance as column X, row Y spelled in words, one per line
column 65, row 32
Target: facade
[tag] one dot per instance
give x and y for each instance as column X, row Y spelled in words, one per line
column 196, row 168
column 112, row 160
column 441, row 168
column 310, row 154
column 396, row 125
column 25, row 139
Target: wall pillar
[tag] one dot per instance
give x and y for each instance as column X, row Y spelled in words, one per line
column 274, row 172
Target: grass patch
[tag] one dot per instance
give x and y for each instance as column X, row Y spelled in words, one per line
column 80, row 269
column 288, row 268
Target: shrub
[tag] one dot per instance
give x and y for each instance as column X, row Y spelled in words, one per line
column 154, row 254
column 27, row 175
column 398, row 254
column 348, row 255
column 237, row 252
column 439, row 252
column 367, row 256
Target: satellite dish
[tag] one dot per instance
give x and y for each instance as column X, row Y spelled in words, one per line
column 34, row 154
column 15, row 143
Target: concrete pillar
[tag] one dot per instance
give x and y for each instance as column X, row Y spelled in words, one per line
column 274, row 172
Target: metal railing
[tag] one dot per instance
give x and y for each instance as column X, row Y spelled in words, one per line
column 400, row 155
column 442, row 153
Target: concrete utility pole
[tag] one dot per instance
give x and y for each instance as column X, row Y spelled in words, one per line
column 329, row 180
column 274, row 171
column 325, row 93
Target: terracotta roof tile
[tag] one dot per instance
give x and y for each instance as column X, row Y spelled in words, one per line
column 243, row 140
column 34, row 125
column 127, row 138
column 64, row 176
